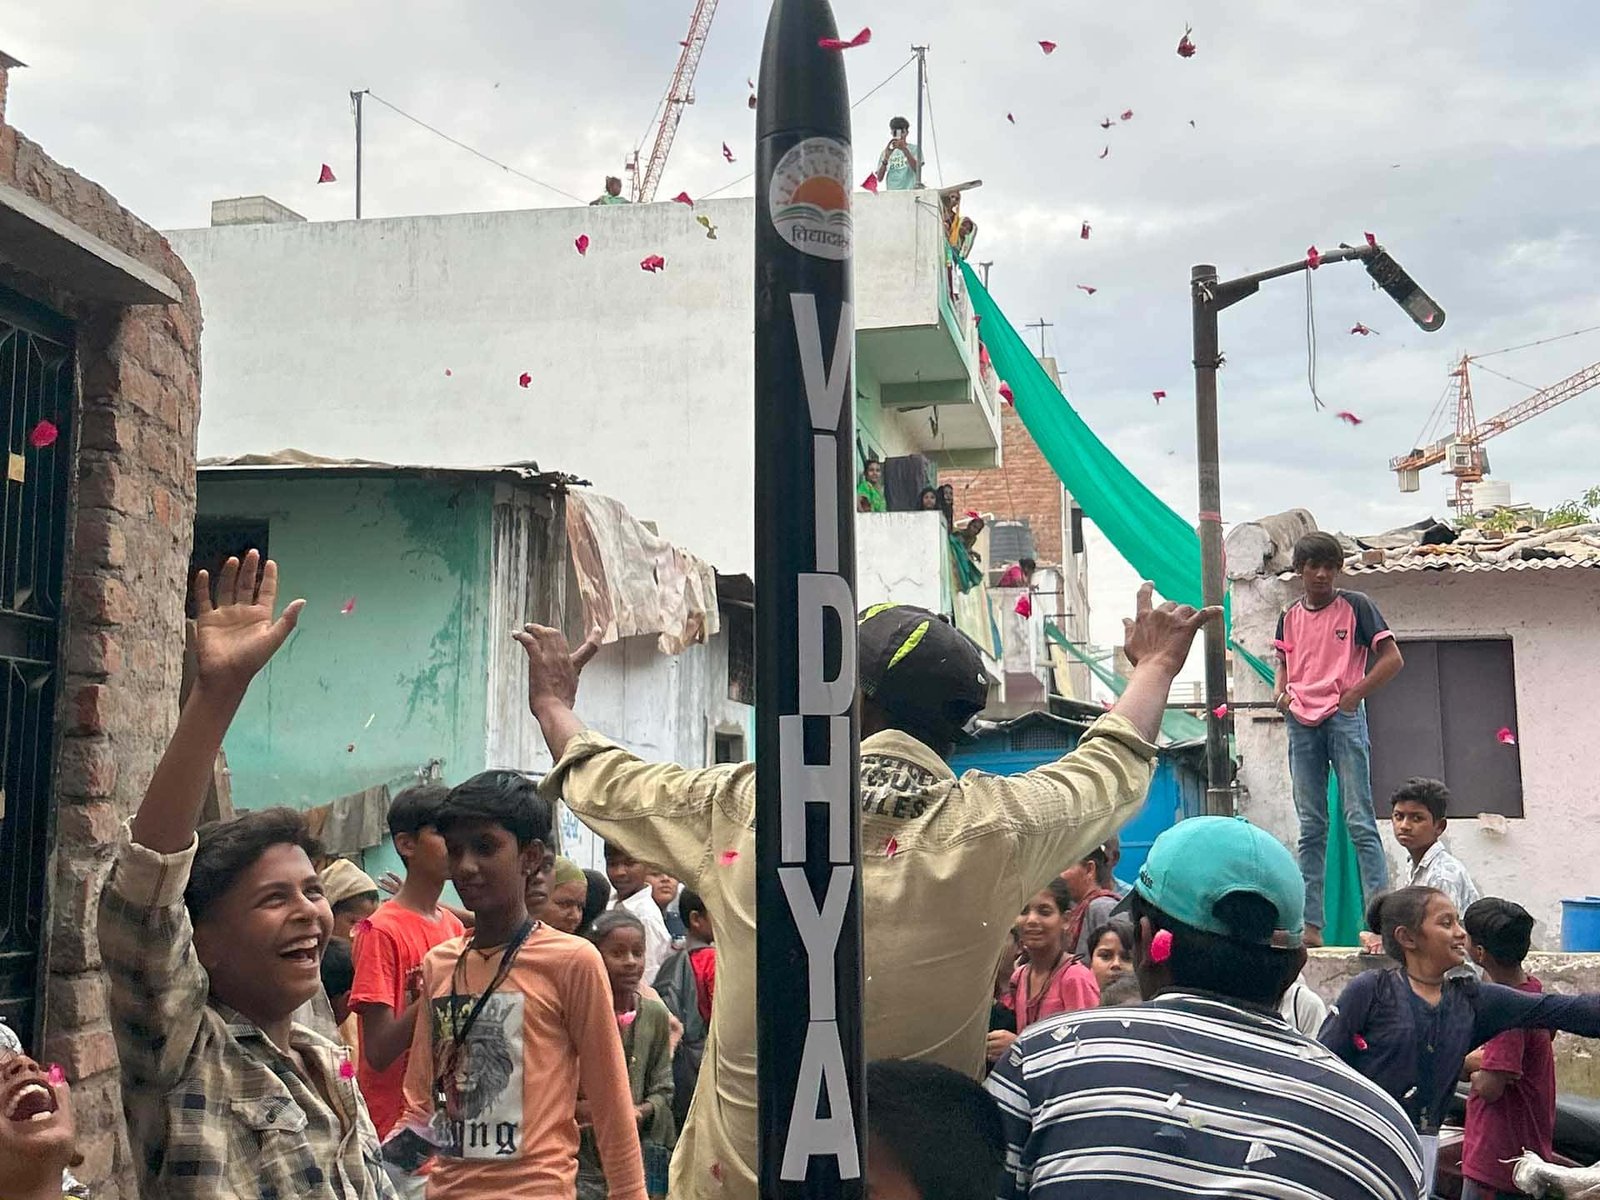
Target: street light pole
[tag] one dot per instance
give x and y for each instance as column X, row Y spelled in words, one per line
column 1210, row 297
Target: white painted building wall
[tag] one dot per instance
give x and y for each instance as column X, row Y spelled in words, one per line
column 402, row 340
column 902, row 558
column 1553, row 620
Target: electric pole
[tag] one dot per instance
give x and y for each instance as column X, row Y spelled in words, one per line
column 922, row 86
column 1041, row 325
column 355, row 102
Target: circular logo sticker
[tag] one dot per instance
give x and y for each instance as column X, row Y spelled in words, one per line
column 810, row 198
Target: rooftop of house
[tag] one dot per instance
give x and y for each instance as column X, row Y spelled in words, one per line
column 1435, row 546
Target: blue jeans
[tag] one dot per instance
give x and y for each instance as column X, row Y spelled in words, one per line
column 1341, row 741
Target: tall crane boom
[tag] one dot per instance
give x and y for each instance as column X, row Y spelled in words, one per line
column 1462, row 451
column 680, row 94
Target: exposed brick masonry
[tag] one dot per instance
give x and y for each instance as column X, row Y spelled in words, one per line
column 139, row 371
column 1025, row 487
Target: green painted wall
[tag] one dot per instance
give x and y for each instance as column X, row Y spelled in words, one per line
column 357, row 700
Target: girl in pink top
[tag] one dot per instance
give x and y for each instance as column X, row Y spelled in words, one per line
column 1051, row 980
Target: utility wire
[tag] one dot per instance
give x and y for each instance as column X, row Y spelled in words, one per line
column 1311, row 344
column 1540, row 342
column 853, row 107
column 472, row 150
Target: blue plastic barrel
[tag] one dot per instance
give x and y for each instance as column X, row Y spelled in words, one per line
column 1580, row 925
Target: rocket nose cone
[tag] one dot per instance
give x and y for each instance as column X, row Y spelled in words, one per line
column 802, row 86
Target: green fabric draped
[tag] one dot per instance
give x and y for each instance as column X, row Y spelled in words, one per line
column 1158, row 543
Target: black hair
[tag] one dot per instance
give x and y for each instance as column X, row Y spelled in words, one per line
column 608, row 923
column 595, row 900
column 1430, row 793
column 416, row 808
column 941, row 1129
column 616, row 850
column 1243, row 966
column 1403, row 908
column 1101, row 858
column 900, row 123
column 1059, row 892
column 1027, row 564
column 338, row 968
column 505, row 798
column 1317, row 550
column 1124, row 989
column 1118, row 926
column 226, row 849
column 350, row 902
column 1502, row 927
column 928, row 491
column 689, row 903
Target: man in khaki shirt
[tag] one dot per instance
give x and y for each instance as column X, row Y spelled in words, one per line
column 967, row 853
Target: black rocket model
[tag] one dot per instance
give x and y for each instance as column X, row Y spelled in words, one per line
column 808, row 845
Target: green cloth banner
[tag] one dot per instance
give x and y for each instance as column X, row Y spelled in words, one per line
column 1158, row 543
column 1176, row 725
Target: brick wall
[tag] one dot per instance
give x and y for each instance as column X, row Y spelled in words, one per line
column 1025, row 487
column 139, row 399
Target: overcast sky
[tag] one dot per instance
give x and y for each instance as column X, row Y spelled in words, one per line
column 1464, row 135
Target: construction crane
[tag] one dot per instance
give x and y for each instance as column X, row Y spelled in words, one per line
column 1462, row 451
column 679, row 95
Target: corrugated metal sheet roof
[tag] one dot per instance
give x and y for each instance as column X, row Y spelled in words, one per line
column 1442, row 562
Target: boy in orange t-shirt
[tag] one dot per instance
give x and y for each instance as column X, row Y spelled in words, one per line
column 389, row 948
column 519, row 1017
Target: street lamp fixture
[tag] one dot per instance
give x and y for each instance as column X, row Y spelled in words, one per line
column 1210, row 296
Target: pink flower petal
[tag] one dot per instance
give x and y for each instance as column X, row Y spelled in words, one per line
column 43, row 434
column 56, row 1075
column 1085, row 288
column 860, row 39
column 1313, row 257
column 1011, row 118
column 1363, row 330
column 726, row 153
column 1220, row 712
column 1048, row 47
column 1349, row 418
column 627, row 1018
column 727, row 857
column 1005, row 393
column 327, row 175
column 581, row 243
column 1127, row 114
column 1359, row 1042
column 524, row 379
column 348, row 607
column 1372, row 239
column 870, row 184
column 347, row 1069
column 1024, row 606
column 448, row 372
column 1159, row 395
column 1186, row 47
column 683, row 198
column 891, row 848
column 1506, row 737
column 1084, row 231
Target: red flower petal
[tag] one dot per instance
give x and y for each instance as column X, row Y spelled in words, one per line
column 1024, row 606
column 1372, row 239
column 683, row 198
column 43, row 434
column 1186, row 47
column 1084, row 287
column 1011, row 118
column 1127, row 114
column 524, row 379
column 348, row 607
column 753, row 100
column 1506, row 737
column 652, row 263
column 870, row 184
column 890, row 848
column 1313, row 257
column 1220, row 712
column 1363, row 330
column 1159, row 395
column 581, row 243
column 1005, row 392
column 1359, row 1042
column 727, row 857
column 327, row 175
column 860, row 39
column 726, row 153
column 56, row 1075
column 448, row 372
column 1349, row 418
column 347, row 1069
column 1048, row 47
column 1084, row 232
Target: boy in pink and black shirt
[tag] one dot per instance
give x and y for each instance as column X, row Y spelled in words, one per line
column 1334, row 649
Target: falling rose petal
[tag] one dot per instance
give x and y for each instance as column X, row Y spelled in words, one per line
column 524, row 379
column 1359, row 1042
column 726, row 153
column 1313, row 257
column 1105, row 152
column 1127, row 114
column 727, row 857
column 1349, row 418
column 1505, row 737
column 581, row 243
column 43, row 434
column 870, row 184
column 448, row 372
column 347, row 1069
column 1107, row 123
column 891, row 848
column 1220, row 712
column 56, row 1075
column 1024, row 607
column 1085, row 288
column 1048, row 47
column 1084, row 231
column 327, row 175
column 1363, row 330
column 1159, row 395
column 860, row 39
column 1186, row 47
column 753, row 101
column 1011, row 118
column 1372, row 239
column 750, row 83
column 652, row 263
column 348, row 607
column 1005, row 392
column 627, row 1019
column 683, row 198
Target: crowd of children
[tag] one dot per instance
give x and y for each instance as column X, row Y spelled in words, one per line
column 546, row 1038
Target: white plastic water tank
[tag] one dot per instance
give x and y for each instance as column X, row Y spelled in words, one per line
column 1490, row 494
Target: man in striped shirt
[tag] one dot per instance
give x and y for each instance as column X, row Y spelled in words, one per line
column 1205, row 1089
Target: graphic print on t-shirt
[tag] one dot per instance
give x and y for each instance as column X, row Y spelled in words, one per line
column 487, row 1118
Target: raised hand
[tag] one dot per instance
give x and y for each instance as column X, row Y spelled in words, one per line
column 1165, row 632
column 236, row 634
column 553, row 667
